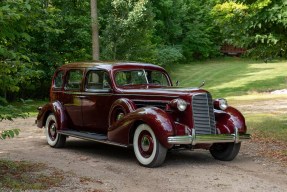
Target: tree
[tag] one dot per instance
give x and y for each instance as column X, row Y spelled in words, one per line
column 95, row 30
column 184, row 28
column 126, row 30
column 22, row 26
column 259, row 25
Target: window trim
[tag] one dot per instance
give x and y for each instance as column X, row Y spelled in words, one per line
column 66, row 80
column 162, row 72
column 63, row 80
column 107, row 90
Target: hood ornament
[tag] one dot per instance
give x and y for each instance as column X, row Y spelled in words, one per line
column 202, row 84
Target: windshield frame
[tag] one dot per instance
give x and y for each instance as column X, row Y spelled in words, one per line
column 145, row 71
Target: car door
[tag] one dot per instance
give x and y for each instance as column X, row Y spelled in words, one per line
column 97, row 100
column 72, row 97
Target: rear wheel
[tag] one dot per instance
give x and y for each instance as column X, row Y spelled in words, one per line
column 225, row 151
column 53, row 138
column 148, row 151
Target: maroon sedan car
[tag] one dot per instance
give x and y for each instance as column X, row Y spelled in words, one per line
column 136, row 104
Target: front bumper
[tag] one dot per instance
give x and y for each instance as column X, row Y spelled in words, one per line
column 208, row 139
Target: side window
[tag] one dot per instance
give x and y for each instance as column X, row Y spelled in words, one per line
column 58, row 80
column 97, row 79
column 74, row 79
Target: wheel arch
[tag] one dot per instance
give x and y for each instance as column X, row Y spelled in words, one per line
column 58, row 110
column 230, row 119
column 122, row 131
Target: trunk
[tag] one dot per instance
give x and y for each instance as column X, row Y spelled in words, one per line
column 95, row 30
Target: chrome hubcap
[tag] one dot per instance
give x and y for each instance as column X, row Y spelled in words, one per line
column 145, row 144
column 53, row 129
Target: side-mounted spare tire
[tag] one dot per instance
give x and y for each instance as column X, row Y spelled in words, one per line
column 119, row 109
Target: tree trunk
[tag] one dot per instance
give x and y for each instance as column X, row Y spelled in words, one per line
column 95, row 30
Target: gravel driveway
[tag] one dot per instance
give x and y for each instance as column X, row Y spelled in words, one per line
column 96, row 167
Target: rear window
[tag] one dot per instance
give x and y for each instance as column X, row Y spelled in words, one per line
column 58, row 80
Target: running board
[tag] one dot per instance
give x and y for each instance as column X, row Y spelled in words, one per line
column 100, row 138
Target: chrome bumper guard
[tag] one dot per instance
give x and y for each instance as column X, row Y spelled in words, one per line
column 208, row 139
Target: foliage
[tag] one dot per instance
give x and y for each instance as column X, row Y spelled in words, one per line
column 9, row 133
column 20, row 20
column 259, row 25
column 127, row 30
column 10, row 112
column 186, row 24
column 36, row 36
column 167, row 55
column 3, row 101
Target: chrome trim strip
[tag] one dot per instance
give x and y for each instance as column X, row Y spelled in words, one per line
column 87, row 93
column 142, row 94
column 153, row 101
column 116, row 94
column 208, row 139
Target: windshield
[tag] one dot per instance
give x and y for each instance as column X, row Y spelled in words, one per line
column 139, row 77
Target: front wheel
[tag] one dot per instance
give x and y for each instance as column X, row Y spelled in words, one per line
column 148, row 151
column 225, row 151
column 53, row 138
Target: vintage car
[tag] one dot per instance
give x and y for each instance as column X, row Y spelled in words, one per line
column 136, row 104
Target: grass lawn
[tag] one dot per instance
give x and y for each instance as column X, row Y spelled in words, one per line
column 232, row 76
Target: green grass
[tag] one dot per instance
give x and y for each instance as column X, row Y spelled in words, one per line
column 269, row 126
column 265, row 114
column 19, row 109
column 30, row 106
column 232, row 76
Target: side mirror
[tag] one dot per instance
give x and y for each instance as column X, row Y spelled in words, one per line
column 177, row 83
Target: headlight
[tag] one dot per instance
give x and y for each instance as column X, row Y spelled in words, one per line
column 180, row 104
column 220, row 104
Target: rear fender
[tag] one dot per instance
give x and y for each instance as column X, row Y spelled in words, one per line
column 122, row 130
column 58, row 110
column 227, row 120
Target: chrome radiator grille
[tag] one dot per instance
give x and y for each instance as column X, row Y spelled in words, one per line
column 203, row 115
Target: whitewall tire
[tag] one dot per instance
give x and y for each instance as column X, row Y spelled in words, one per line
column 53, row 138
column 148, row 151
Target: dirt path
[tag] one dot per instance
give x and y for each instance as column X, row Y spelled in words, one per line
column 108, row 168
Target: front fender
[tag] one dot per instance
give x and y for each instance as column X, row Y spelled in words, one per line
column 227, row 120
column 59, row 112
column 156, row 118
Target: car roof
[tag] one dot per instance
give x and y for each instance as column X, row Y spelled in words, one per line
column 110, row 65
